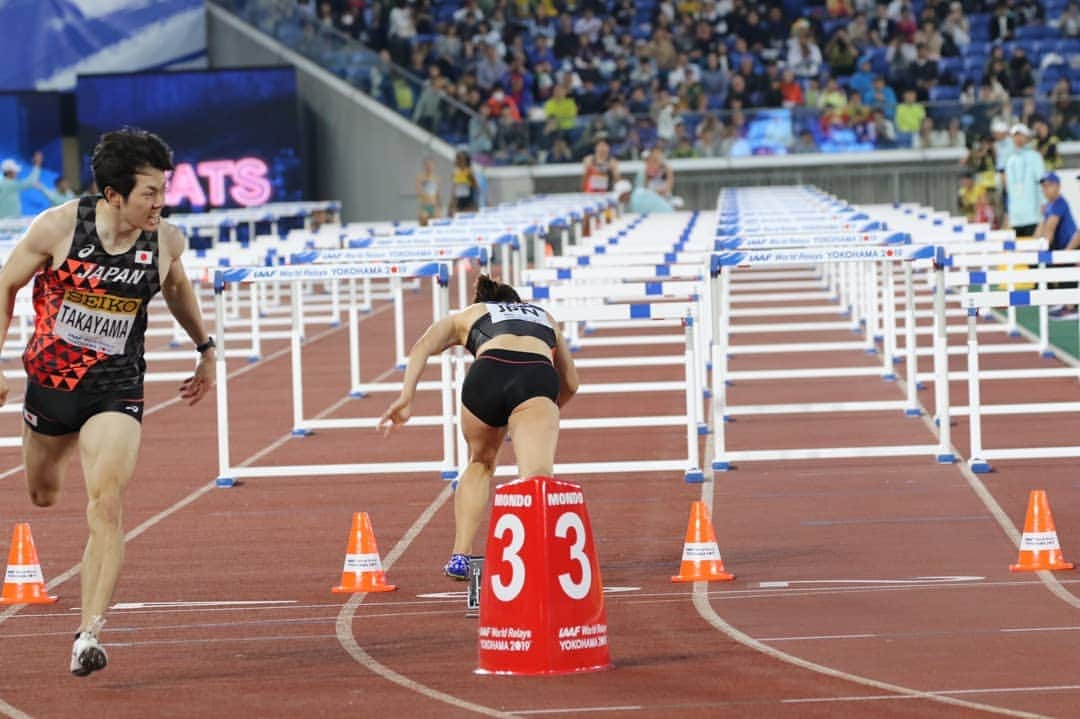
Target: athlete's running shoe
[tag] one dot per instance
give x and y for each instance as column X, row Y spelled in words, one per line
column 87, row 655
column 457, row 567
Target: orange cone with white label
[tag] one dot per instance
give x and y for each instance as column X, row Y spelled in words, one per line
column 1039, row 547
column 363, row 570
column 701, row 561
column 23, row 581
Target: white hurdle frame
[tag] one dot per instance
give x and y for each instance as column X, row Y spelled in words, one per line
column 295, row 275
column 720, row 296
column 973, row 301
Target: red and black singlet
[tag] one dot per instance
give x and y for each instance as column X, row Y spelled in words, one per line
column 90, row 313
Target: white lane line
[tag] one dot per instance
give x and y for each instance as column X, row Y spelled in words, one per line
column 219, row 640
column 575, row 710
column 818, row 637
column 200, row 605
column 915, row 580
column 348, row 641
column 1041, row 629
column 939, row 692
column 708, row 613
column 209, row 486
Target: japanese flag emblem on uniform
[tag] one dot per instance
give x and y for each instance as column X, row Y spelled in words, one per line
column 144, row 257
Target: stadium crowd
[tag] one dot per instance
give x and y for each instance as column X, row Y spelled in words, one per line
column 524, row 81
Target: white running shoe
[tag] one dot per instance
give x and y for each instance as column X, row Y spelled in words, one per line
column 87, row 655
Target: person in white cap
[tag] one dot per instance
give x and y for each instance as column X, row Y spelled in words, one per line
column 1023, row 170
column 11, row 186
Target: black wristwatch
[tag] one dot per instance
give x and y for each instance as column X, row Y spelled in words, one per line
column 208, row 344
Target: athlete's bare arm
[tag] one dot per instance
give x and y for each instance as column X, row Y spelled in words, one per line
column 48, row 237
column 180, row 298
column 564, row 365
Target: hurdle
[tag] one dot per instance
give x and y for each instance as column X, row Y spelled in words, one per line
column 720, row 272
column 973, row 301
column 456, row 253
column 295, row 275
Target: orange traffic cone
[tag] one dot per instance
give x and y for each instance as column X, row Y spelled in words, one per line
column 23, row 581
column 701, row 560
column 1039, row 548
column 363, row 570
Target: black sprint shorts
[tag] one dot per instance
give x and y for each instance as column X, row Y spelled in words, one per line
column 500, row 380
column 55, row 412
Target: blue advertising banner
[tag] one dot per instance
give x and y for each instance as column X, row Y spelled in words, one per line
column 47, row 43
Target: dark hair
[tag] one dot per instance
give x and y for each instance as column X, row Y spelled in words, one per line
column 488, row 290
column 119, row 155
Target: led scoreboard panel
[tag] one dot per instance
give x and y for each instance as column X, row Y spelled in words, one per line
column 235, row 133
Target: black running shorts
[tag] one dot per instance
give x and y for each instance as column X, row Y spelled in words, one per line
column 56, row 412
column 500, row 380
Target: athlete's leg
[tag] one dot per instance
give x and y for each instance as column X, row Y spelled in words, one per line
column 474, row 486
column 534, row 430
column 109, row 446
column 46, row 459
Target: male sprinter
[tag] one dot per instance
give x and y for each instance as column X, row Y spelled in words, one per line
column 97, row 261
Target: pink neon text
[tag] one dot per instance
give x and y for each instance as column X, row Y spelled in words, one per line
column 244, row 179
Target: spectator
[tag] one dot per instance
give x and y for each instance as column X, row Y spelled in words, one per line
column 929, row 37
column 60, row 193
column 429, row 108
column 928, row 137
column 11, row 186
column 707, row 143
column 1046, row 145
column 482, row 130
column 791, row 93
column 490, row 69
column 805, row 144
column 954, row 134
column 980, row 163
column 617, row 121
column 560, row 151
column 812, row 95
column 567, row 42
column 957, row 27
column 863, row 79
column 1023, row 170
column 468, row 16
column 561, row 110
column 1061, row 101
column 909, row 113
column 906, row 27
column 1002, row 23
column 804, row 56
column 924, row 72
column 665, row 121
column 588, row 25
column 882, row 28
column 656, row 174
column 662, row 49
column 839, row 8
column 1068, row 24
column 1003, row 144
column 684, row 72
column 858, row 31
column 401, row 32
column 833, row 97
column 880, row 130
column 511, row 138
column 714, row 77
column 594, row 132
column 1020, row 76
column 841, row 54
column 881, row 96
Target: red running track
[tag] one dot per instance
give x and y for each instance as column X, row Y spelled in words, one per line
column 838, row 608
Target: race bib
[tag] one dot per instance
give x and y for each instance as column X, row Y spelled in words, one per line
column 598, row 183
column 525, row 312
column 462, row 189
column 97, row 322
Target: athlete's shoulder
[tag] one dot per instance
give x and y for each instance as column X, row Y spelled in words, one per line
column 54, row 225
column 171, row 239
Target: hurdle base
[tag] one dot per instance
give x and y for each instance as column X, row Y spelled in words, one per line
column 1014, row 332
column 357, row 394
column 575, row 348
column 224, row 482
column 1047, row 354
column 449, row 474
column 301, row 432
column 694, row 476
column 702, row 429
column 721, row 466
column 888, row 377
column 252, row 359
column 706, row 393
column 946, row 458
column 335, row 324
column 400, row 367
column 174, row 344
column 979, row 466
column 913, row 412
column 870, row 350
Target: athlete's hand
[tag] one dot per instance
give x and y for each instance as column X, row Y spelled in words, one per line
column 194, row 388
column 396, row 414
column 3, row 390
